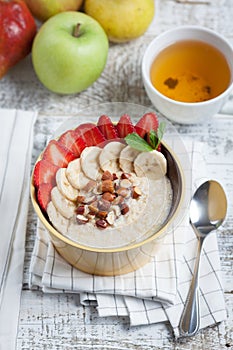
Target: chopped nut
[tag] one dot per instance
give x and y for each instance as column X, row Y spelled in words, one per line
column 117, row 211
column 118, row 200
column 125, row 183
column 102, row 214
column 124, row 208
column 107, row 186
column 114, row 176
column 80, row 199
column 108, row 196
column 106, row 175
column 104, row 205
column 101, row 223
column 136, row 192
column 80, row 209
column 93, row 207
column 89, row 200
column 89, row 186
column 122, row 191
column 81, row 219
column 125, row 176
column 111, row 218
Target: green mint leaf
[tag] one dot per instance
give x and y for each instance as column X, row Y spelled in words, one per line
column 161, row 130
column 153, row 138
column 135, row 141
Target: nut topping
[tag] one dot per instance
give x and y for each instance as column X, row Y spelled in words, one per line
column 107, row 175
column 108, row 196
column 81, row 219
column 101, row 223
column 136, row 192
column 124, row 208
column 108, row 186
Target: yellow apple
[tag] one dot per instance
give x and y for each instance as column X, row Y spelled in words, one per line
column 122, row 20
column 44, row 9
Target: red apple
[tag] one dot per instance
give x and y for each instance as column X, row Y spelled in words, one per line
column 17, row 31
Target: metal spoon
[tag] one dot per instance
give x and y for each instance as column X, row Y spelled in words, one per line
column 207, row 211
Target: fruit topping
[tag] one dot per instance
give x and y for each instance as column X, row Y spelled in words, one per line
column 125, row 126
column 73, row 141
column 44, row 195
column 148, row 122
column 44, row 172
column 57, row 154
column 107, row 127
column 91, row 134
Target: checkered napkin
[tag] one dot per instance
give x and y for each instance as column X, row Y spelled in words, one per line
column 15, row 157
column 154, row 293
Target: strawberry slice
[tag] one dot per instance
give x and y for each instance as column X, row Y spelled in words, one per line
column 107, row 128
column 73, row 142
column 57, row 154
column 44, row 172
column 125, row 126
column 148, row 121
column 44, row 195
column 91, row 134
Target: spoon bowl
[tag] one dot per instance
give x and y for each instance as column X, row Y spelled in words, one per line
column 208, row 209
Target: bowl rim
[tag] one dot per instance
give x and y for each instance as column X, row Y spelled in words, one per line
column 147, row 80
column 74, row 244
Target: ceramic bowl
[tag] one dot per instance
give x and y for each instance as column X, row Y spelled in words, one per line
column 184, row 112
column 131, row 257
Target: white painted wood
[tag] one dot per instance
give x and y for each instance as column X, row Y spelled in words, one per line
column 58, row 321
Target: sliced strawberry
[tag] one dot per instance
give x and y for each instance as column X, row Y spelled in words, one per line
column 73, row 142
column 147, row 137
column 107, row 128
column 148, row 121
column 44, row 195
column 125, row 126
column 44, row 172
column 57, row 154
column 91, row 134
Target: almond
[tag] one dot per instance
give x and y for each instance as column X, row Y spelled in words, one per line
column 125, row 176
column 111, row 217
column 122, row 191
column 108, row 186
column 125, row 183
column 124, row 209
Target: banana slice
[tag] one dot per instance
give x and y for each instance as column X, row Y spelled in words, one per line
column 90, row 162
column 64, row 185
column 151, row 164
column 65, row 207
column 58, row 221
column 127, row 157
column 109, row 157
column 75, row 175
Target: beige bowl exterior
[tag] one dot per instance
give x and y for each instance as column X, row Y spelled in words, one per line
column 118, row 261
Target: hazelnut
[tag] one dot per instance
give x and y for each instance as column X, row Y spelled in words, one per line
column 106, row 175
column 102, row 214
column 109, row 196
column 122, row 191
column 125, row 176
column 101, row 223
column 80, row 199
column 124, row 208
column 107, row 186
column 81, row 219
column 125, row 183
column 136, row 192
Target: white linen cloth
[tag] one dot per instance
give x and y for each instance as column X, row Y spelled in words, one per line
column 154, row 293
column 15, row 158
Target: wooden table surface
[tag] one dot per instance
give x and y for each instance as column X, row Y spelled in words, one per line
column 58, row 321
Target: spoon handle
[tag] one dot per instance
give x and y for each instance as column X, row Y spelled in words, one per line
column 190, row 319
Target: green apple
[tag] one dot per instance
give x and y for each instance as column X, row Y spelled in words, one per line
column 69, row 52
column 122, row 20
column 44, row 9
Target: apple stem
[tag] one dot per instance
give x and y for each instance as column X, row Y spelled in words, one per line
column 76, row 32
